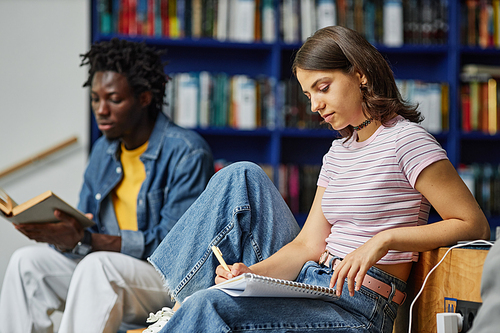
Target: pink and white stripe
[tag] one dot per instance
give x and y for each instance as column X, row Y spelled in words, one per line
column 370, row 186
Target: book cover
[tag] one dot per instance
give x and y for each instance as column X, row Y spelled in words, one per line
column 290, row 21
column 165, row 23
column 474, row 104
column 242, row 21
column 142, row 17
column 472, row 22
column 186, row 100
column 435, row 117
column 257, row 25
column 39, row 209
column 252, row 285
column 132, row 17
column 445, row 106
column 205, row 98
column 483, row 107
column 465, row 103
column 246, row 114
column 326, row 13
column 349, row 14
column 104, row 12
column 116, row 16
column 196, row 9
column 181, row 17
column 173, row 22
column 495, row 4
column 492, row 107
column 393, row 23
column 358, row 16
column 151, row 18
column 307, row 18
column 209, row 16
column 294, row 188
column 222, row 20
column 268, row 19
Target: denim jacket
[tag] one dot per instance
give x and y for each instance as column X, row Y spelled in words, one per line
column 178, row 164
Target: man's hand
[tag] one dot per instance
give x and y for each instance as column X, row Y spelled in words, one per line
column 64, row 234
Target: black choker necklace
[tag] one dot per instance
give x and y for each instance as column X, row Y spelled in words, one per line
column 362, row 125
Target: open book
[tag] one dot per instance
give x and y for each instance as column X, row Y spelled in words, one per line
column 39, row 209
column 252, row 285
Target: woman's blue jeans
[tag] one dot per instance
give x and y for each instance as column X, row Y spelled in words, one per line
column 242, row 212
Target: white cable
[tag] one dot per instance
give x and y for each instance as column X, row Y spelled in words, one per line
column 432, row 270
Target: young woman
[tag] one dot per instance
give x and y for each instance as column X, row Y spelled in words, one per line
column 365, row 227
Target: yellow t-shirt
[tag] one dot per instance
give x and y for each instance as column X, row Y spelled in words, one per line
column 125, row 193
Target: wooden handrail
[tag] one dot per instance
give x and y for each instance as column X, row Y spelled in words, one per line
column 39, row 156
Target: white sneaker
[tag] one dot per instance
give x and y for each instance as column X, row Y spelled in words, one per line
column 159, row 319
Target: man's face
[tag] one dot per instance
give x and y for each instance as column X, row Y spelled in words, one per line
column 116, row 109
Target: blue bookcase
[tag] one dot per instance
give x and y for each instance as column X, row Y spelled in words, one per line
column 432, row 63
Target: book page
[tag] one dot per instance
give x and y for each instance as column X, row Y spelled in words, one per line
column 6, row 203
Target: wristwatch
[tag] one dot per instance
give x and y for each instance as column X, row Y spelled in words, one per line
column 84, row 246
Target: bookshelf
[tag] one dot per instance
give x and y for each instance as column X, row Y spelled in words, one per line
column 438, row 62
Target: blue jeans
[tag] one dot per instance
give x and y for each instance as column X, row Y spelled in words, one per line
column 215, row 311
column 241, row 212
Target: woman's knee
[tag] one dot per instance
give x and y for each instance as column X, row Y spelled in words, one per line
column 234, row 171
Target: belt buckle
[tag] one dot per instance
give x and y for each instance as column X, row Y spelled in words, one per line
column 323, row 257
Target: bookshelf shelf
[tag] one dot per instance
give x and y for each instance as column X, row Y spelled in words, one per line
column 436, row 63
column 188, row 42
column 227, row 131
column 308, row 133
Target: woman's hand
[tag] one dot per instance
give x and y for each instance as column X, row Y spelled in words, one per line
column 236, row 269
column 356, row 264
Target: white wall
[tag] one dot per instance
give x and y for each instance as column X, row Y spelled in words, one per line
column 42, row 101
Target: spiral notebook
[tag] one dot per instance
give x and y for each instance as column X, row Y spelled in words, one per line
column 252, row 285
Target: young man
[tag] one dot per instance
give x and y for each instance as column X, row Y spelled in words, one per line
column 142, row 176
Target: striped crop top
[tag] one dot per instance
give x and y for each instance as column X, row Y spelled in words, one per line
column 370, row 186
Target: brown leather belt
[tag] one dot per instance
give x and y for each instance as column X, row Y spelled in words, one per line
column 369, row 282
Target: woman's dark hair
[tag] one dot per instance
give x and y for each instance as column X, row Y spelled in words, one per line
column 140, row 64
column 339, row 48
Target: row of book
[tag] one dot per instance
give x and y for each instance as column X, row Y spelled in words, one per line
column 203, row 99
column 479, row 98
column 294, row 108
column 432, row 100
column 233, row 20
column 297, row 183
column 483, row 180
column 389, row 22
column 480, row 23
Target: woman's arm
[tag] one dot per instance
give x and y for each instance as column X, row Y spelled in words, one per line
column 462, row 220
column 288, row 261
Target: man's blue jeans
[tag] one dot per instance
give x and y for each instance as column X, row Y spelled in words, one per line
column 242, row 212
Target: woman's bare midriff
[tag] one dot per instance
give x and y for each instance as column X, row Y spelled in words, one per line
column 401, row 271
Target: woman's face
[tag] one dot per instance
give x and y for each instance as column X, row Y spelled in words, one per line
column 336, row 96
